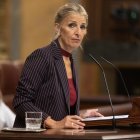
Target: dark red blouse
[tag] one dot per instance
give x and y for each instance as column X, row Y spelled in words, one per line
column 73, row 96
column 72, row 92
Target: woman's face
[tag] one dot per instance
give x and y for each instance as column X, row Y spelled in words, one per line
column 72, row 31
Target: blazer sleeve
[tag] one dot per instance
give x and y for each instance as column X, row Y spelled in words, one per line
column 31, row 78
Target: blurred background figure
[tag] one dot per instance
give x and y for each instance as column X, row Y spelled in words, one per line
column 7, row 117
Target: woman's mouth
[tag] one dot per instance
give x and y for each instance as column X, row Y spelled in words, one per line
column 76, row 40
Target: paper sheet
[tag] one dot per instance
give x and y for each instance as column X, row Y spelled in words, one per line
column 105, row 118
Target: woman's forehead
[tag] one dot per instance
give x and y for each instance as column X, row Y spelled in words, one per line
column 75, row 17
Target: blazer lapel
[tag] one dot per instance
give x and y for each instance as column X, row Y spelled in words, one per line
column 60, row 68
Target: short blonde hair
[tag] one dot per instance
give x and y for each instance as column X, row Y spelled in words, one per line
column 69, row 8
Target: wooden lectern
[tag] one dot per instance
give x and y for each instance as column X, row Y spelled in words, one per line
column 133, row 118
column 134, row 115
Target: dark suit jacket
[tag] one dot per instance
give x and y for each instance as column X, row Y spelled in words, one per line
column 43, row 85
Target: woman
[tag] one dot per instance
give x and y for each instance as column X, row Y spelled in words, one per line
column 48, row 81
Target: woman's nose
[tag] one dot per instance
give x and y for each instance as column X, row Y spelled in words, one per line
column 78, row 30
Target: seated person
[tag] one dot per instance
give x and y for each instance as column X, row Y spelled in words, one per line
column 7, row 117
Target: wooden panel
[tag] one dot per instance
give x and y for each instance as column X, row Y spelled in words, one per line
column 37, row 23
column 4, row 28
column 119, row 47
column 89, row 80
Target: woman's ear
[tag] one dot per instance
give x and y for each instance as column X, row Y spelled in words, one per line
column 57, row 28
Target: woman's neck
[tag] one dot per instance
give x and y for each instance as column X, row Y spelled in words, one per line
column 64, row 47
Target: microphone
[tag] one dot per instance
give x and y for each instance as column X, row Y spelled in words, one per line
column 124, row 84
column 107, row 88
column 106, row 84
column 120, row 74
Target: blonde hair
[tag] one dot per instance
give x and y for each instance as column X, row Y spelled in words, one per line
column 69, row 8
column 65, row 10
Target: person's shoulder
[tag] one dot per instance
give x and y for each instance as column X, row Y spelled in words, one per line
column 43, row 51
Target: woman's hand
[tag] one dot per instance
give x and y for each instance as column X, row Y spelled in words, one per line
column 73, row 121
column 90, row 113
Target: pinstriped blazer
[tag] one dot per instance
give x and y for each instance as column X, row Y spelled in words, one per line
column 43, row 86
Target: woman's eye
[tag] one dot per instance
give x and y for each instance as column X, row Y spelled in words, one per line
column 83, row 27
column 72, row 25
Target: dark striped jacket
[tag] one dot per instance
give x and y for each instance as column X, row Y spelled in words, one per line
column 43, row 85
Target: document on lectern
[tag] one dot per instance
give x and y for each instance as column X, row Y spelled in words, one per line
column 105, row 118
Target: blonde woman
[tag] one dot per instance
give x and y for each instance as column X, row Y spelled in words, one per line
column 48, row 82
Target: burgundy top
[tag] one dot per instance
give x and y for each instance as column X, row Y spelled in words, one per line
column 65, row 53
column 70, row 81
column 72, row 92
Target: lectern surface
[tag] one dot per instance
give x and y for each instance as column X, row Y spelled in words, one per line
column 72, row 134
